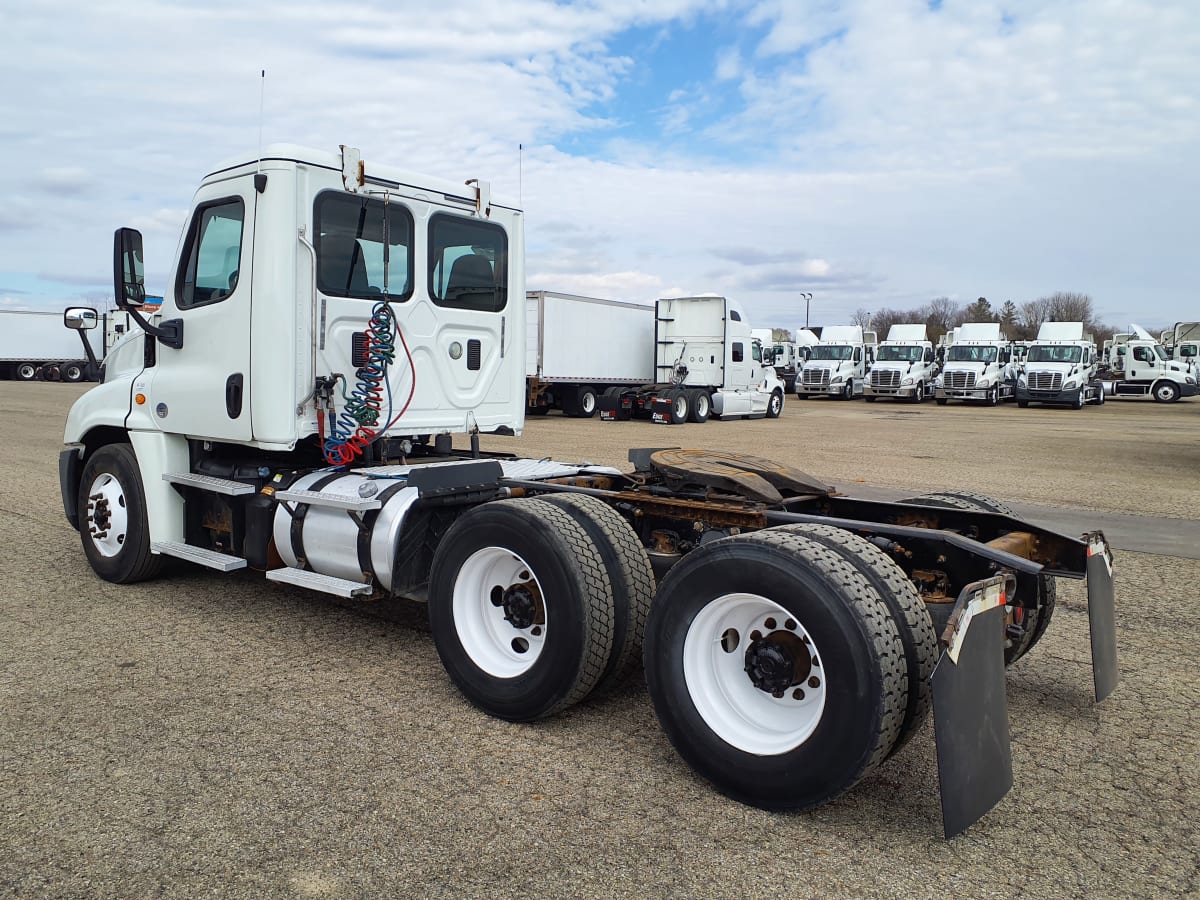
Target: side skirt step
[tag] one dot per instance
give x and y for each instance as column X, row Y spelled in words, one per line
column 330, row 501
column 222, row 562
column 328, row 584
column 208, row 483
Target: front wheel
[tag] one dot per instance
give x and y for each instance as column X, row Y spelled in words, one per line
column 520, row 610
column 1166, row 392
column 775, row 405
column 994, row 395
column 112, row 517
column 775, row 669
column 848, row 391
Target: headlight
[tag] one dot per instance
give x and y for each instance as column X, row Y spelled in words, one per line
column 1021, row 379
column 1070, row 383
column 937, row 382
column 907, row 381
column 1189, row 379
column 836, row 379
column 983, row 382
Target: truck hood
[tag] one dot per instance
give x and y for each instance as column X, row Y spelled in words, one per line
column 965, row 365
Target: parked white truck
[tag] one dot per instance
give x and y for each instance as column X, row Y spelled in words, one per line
column 706, row 362
column 838, row 363
column 978, row 366
column 1060, row 367
column 904, row 367
column 34, row 343
column 330, row 325
column 1184, row 344
column 786, row 359
column 1144, row 369
column 576, row 348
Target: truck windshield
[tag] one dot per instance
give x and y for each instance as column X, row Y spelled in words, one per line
column 960, row 353
column 1162, row 354
column 1058, row 354
column 839, row 351
column 900, row 354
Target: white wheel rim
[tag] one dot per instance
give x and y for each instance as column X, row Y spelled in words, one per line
column 702, row 405
column 737, row 711
column 681, row 405
column 589, row 402
column 494, row 643
column 107, row 515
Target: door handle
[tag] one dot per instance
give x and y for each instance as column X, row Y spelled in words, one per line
column 233, row 395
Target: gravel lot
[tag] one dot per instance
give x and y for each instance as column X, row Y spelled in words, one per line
column 217, row 734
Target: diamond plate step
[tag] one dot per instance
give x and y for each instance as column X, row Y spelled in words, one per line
column 222, row 562
column 314, row 581
column 208, row 483
column 331, row 501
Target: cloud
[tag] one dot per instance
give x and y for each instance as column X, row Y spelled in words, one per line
column 64, row 178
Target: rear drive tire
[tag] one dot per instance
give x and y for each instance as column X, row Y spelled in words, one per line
column 775, row 669
column 112, row 517
column 25, row 371
column 907, row 609
column 629, row 572
column 521, row 609
column 701, row 406
column 680, row 405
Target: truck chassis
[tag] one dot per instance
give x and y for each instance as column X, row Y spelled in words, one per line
column 793, row 638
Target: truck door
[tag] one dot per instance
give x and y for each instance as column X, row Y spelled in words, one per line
column 202, row 390
column 1141, row 362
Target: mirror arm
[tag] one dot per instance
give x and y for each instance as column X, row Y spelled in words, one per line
column 169, row 333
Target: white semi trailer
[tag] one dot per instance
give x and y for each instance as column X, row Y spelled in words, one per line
column 34, row 343
column 904, row 367
column 578, row 347
column 838, row 363
column 788, row 639
column 978, row 366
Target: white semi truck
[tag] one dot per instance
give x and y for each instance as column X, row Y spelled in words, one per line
column 1143, row 368
column 978, row 366
column 1060, row 368
column 1184, row 344
column 904, row 367
column 838, row 363
column 578, row 347
column 329, row 326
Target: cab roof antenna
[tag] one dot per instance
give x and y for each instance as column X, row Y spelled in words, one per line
column 260, row 180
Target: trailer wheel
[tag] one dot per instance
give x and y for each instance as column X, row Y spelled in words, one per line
column 112, row 513
column 700, row 406
column 629, row 571
column 775, row 404
column 72, row 372
column 1166, row 392
column 904, row 603
column 587, row 401
column 1034, row 622
column 775, row 669
column 26, row 371
column 520, row 608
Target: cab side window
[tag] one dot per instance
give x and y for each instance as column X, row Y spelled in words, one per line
column 213, row 254
column 737, row 352
column 1142, row 354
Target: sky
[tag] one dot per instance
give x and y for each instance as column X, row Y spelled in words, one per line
column 870, row 152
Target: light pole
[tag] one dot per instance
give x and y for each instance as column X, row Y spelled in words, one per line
column 807, row 299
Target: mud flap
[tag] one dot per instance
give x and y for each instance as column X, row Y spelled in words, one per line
column 970, row 709
column 1101, row 615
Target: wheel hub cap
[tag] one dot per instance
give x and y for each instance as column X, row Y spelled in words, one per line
column 520, row 606
column 777, row 662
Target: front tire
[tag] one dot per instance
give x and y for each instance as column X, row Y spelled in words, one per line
column 112, row 517
column 1166, row 392
column 775, row 669
column 775, row 405
column 520, row 608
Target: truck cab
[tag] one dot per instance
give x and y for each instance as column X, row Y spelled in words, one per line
column 312, row 302
column 978, row 366
column 1059, row 368
column 838, row 363
column 1145, row 369
column 905, row 366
